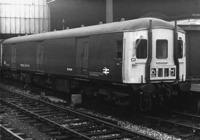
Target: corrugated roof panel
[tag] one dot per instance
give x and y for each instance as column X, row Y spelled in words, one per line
column 32, row 25
column 14, row 17
column 27, row 11
column 27, row 25
column 12, row 10
column 13, row 25
column 4, row 1
column 46, row 25
column 7, row 25
column 15, row 1
column 17, row 11
column 3, row 25
column 44, row 2
column 36, row 26
column 22, row 26
column 2, row 11
column 41, row 12
column 40, row 2
column 7, row 10
column 17, row 25
column 31, row 10
column 22, row 11
column 24, row 2
column 46, row 13
column 41, row 26
column 36, row 12
column 36, row 2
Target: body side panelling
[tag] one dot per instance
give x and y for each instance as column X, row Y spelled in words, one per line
column 6, row 57
column 102, row 56
column 82, row 51
column 26, row 56
column 59, row 56
column 133, row 68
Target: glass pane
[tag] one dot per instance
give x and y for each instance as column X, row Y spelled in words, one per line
column 161, row 49
column 141, row 48
column 180, row 48
column 119, row 48
column 85, row 49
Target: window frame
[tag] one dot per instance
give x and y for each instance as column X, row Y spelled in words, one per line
column 119, row 49
column 164, row 56
column 140, row 55
column 178, row 52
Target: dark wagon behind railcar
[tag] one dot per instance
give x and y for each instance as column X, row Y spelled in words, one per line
column 193, row 53
column 191, row 24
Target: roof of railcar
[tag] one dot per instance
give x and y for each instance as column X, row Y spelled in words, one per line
column 129, row 25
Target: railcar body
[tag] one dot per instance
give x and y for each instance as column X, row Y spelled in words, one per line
column 144, row 55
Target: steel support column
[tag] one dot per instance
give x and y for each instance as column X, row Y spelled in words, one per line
column 109, row 11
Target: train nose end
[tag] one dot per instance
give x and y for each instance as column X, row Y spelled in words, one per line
column 185, row 86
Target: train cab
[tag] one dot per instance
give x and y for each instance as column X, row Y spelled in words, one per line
column 154, row 55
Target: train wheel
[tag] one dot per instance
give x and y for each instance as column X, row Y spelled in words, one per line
column 144, row 102
column 195, row 106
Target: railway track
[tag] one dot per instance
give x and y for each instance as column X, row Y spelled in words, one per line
column 62, row 123
column 9, row 133
column 183, row 125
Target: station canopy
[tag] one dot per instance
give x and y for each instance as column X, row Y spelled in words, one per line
column 189, row 22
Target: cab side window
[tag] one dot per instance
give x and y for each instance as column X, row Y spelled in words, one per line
column 180, row 48
column 141, row 48
column 119, row 49
column 161, row 49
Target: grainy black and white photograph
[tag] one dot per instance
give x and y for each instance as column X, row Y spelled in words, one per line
column 99, row 69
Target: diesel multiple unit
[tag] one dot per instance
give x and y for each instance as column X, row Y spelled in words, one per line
column 128, row 62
